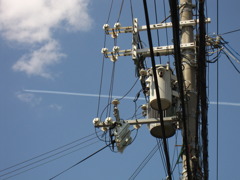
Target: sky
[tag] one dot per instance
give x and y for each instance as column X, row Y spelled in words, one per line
column 51, row 61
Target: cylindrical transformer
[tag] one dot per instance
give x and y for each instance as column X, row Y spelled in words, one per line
column 164, row 82
column 156, row 128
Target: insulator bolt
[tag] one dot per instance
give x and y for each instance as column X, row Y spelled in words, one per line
column 115, row 102
column 144, row 107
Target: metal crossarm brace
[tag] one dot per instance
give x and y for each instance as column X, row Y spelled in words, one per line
column 141, row 121
column 158, row 51
column 130, row 29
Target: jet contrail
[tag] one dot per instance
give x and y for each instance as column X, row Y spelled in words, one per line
column 106, row 96
column 225, row 103
column 76, row 94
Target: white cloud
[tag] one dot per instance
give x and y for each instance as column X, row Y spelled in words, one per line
column 36, row 62
column 33, row 22
column 55, row 107
column 29, row 98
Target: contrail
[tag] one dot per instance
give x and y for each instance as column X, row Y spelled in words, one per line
column 106, row 96
column 76, row 94
column 225, row 103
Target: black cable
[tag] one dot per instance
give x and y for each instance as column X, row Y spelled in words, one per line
column 203, row 89
column 98, row 135
column 166, row 29
column 178, row 62
column 157, row 89
column 229, row 32
column 111, row 89
column 40, row 160
column 231, row 62
column 109, row 13
column 119, row 98
column 216, row 58
column 102, row 69
column 217, row 126
column 43, row 154
column 159, row 143
column 156, row 19
column 231, row 53
column 131, row 7
column 231, row 49
column 129, row 90
column 120, row 11
column 174, row 152
column 49, row 161
column 101, row 81
column 81, row 161
column 144, row 163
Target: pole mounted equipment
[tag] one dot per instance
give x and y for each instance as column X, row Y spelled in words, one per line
column 171, row 96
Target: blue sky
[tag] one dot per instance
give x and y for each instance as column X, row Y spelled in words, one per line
column 56, row 46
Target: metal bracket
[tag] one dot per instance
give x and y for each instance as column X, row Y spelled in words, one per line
column 140, row 121
column 135, row 28
column 158, row 51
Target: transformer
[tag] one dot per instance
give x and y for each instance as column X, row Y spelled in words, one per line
column 168, row 99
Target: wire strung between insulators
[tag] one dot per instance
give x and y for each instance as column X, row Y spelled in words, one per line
column 81, row 161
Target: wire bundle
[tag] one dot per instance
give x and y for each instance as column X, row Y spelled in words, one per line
column 49, row 156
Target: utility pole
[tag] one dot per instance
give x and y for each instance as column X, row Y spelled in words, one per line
column 189, row 74
column 172, row 93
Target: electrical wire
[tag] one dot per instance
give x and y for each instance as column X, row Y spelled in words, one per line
column 119, row 98
column 203, row 90
column 131, row 7
column 48, row 152
column 174, row 153
column 49, row 161
column 217, row 93
column 227, row 44
column 227, row 51
column 101, row 82
column 161, row 152
column 111, row 90
column 178, row 62
column 144, row 163
column 45, row 158
column 229, row 32
column 120, row 11
column 80, row 161
column 231, row 62
column 103, row 58
column 157, row 89
column 129, row 90
column 109, row 13
column 156, row 19
column 166, row 29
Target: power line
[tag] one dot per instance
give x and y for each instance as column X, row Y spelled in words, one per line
column 202, row 84
column 48, row 152
column 120, row 11
column 81, row 161
column 217, row 143
column 157, row 89
column 160, row 148
column 178, row 62
column 103, row 58
column 144, row 163
column 109, row 13
column 50, row 161
column 231, row 62
column 229, row 32
column 156, row 20
column 45, row 158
